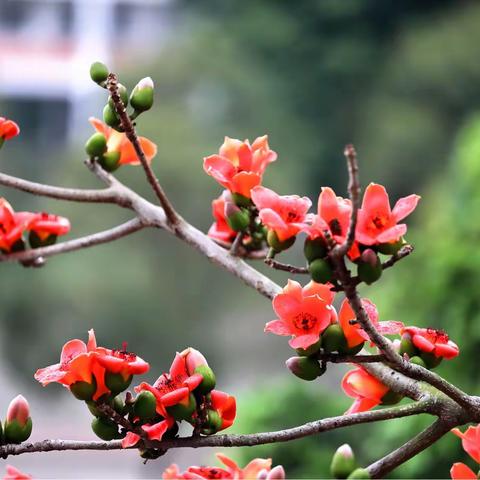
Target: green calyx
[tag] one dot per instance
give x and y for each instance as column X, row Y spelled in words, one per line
column 98, row 72
column 241, row 201
column 416, row 360
column 391, row 398
column 209, row 381
column 110, row 161
column 14, row 432
column 116, row 383
column 36, row 241
column 277, row 245
column 182, row 411
column 306, row 368
column 96, row 145
column 431, row 361
column 105, row 428
column 239, row 220
column 213, row 423
column 333, row 339
column 313, row 249
column 407, row 347
column 391, row 248
column 110, row 117
column 145, row 406
column 369, row 272
column 84, row 390
column 350, row 350
column 320, row 271
column 359, row 473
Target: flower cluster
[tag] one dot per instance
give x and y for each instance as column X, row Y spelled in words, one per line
column 43, row 228
column 98, row 375
column 257, row 469
column 471, row 444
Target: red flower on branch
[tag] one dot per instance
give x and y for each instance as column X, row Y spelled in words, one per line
column 118, row 142
column 239, row 166
column 432, row 341
column 226, row 407
column 364, row 388
column 354, row 333
column 15, row 474
column 259, row 468
column 285, row 215
column 154, row 431
column 303, row 313
column 8, row 129
column 12, row 225
column 220, row 229
column 377, row 223
column 46, row 224
column 471, row 444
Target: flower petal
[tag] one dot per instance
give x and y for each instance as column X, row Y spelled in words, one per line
column 405, row 206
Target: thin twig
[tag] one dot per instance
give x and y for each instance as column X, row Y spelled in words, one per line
column 286, row 267
column 237, row 244
column 308, row 429
column 128, row 127
column 340, row 358
column 79, row 243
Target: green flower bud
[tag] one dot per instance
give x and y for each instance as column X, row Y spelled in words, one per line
column 320, row 271
column 84, row 390
column 306, row 368
column 314, row 249
column 213, row 423
column 141, row 98
column 276, row 244
column 359, row 474
column 238, row 219
column 333, row 339
column 418, row 361
column 145, row 405
column 241, row 201
column 123, row 92
column 37, row 242
column 96, row 145
column 391, row 248
column 369, row 267
column 116, row 383
column 343, row 462
column 105, row 428
column 311, row 350
column 431, row 361
column 109, row 161
column 209, row 381
column 391, row 398
column 15, row 432
column 98, row 72
column 407, row 346
column 93, row 409
column 182, row 411
column 110, row 117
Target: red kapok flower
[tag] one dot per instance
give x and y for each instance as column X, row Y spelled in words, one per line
column 259, row 468
column 239, row 166
column 15, row 474
column 460, row 471
column 354, row 334
column 376, row 222
column 12, row 225
column 470, row 441
column 46, row 224
column 154, row 431
column 220, row 230
column 226, row 407
column 8, row 129
column 303, row 313
column 364, row 388
column 432, row 341
column 118, row 142
column 174, row 387
column 285, row 215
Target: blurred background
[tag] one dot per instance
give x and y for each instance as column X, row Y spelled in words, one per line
column 401, row 80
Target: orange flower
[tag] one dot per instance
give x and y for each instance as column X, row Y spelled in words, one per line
column 364, row 388
column 239, row 166
column 12, row 226
column 8, row 129
column 303, row 313
column 378, row 224
column 471, row 444
column 285, row 215
column 220, row 230
column 154, row 432
column 118, row 142
column 226, row 407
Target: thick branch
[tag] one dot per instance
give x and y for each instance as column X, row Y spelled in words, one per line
column 305, row 430
column 79, row 243
column 413, row 447
column 127, row 125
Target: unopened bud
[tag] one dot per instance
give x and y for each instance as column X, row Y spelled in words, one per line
column 145, row 405
column 116, row 382
column 98, row 72
column 333, row 339
column 209, row 381
column 96, row 145
column 314, row 249
column 18, row 425
column 238, row 219
column 343, row 462
column 141, row 98
column 110, row 161
column 110, row 117
column 360, row 473
column 183, row 410
column 320, row 271
column 105, row 428
column 279, row 245
column 276, row 473
column 306, row 368
column 369, row 267
column 84, row 390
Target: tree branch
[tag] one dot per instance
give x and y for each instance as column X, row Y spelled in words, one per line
column 285, row 267
column 308, row 429
column 340, row 358
column 106, row 236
